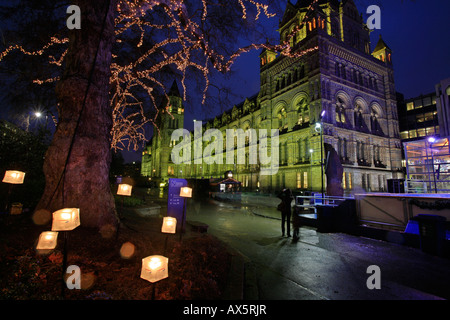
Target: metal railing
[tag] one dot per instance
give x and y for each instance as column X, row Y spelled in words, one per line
column 317, row 199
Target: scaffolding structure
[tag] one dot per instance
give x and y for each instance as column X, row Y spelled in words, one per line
column 427, row 165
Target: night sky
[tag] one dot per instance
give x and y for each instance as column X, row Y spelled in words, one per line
column 418, row 33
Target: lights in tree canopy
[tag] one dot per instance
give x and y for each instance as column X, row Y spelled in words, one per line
column 188, row 46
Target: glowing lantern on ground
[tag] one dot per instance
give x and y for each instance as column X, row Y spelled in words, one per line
column 66, row 219
column 186, row 192
column 47, row 240
column 169, row 225
column 155, row 268
column 124, row 190
column 14, row 177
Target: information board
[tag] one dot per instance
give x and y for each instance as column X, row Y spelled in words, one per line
column 175, row 203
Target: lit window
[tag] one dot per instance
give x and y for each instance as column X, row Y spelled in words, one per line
column 421, row 132
column 350, row 180
column 344, row 185
column 404, row 135
column 299, row 180
column 409, row 106
column 305, row 180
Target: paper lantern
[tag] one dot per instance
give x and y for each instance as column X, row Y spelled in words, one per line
column 66, row 219
column 124, row 190
column 169, row 225
column 47, row 240
column 155, row 268
column 186, row 192
column 14, row 177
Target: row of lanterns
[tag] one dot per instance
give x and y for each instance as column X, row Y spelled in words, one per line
column 63, row 220
column 66, row 220
column 154, row 268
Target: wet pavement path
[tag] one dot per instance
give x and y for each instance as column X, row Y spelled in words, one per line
column 320, row 266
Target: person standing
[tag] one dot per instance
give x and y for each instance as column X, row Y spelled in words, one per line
column 285, row 208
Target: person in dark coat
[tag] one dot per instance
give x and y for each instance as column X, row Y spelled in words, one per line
column 285, row 208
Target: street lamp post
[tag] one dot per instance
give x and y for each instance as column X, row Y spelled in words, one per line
column 319, row 129
column 432, row 140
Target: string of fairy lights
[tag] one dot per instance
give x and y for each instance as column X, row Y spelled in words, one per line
column 182, row 48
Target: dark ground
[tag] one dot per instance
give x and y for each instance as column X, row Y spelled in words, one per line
column 198, row 265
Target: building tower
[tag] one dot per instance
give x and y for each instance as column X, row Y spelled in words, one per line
column 352, row 87
column 340, row 87
column 156, row 160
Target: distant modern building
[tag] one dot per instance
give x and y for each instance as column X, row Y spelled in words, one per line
column 418, row 117
column 424, row 131
column 443, row 106
column 427, row 165
column 343, row 80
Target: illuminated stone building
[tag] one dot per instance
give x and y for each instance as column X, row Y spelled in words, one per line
column 354, row 86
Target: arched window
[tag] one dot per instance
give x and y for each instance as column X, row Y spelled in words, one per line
column 299, row 117
column 374, row 123
column 343, row 72
column 359, row 121
column 303, row 112
column 340, row 111
column 282, row 118
column 337, row 69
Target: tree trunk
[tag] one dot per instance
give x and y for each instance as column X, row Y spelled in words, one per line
column 77, row 162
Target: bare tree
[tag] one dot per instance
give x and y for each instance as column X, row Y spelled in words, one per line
column 114, row 69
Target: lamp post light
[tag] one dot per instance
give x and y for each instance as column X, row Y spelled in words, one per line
column 47, row 240
column 319, row 129
column 12, row 177
column 124, row 190
column 169, row 226
column 65, row 220
column 185, row 192
column 155, row 268
column 432, row 140
column 322, row 114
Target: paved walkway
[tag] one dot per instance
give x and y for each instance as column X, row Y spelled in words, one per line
column 319, row 266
